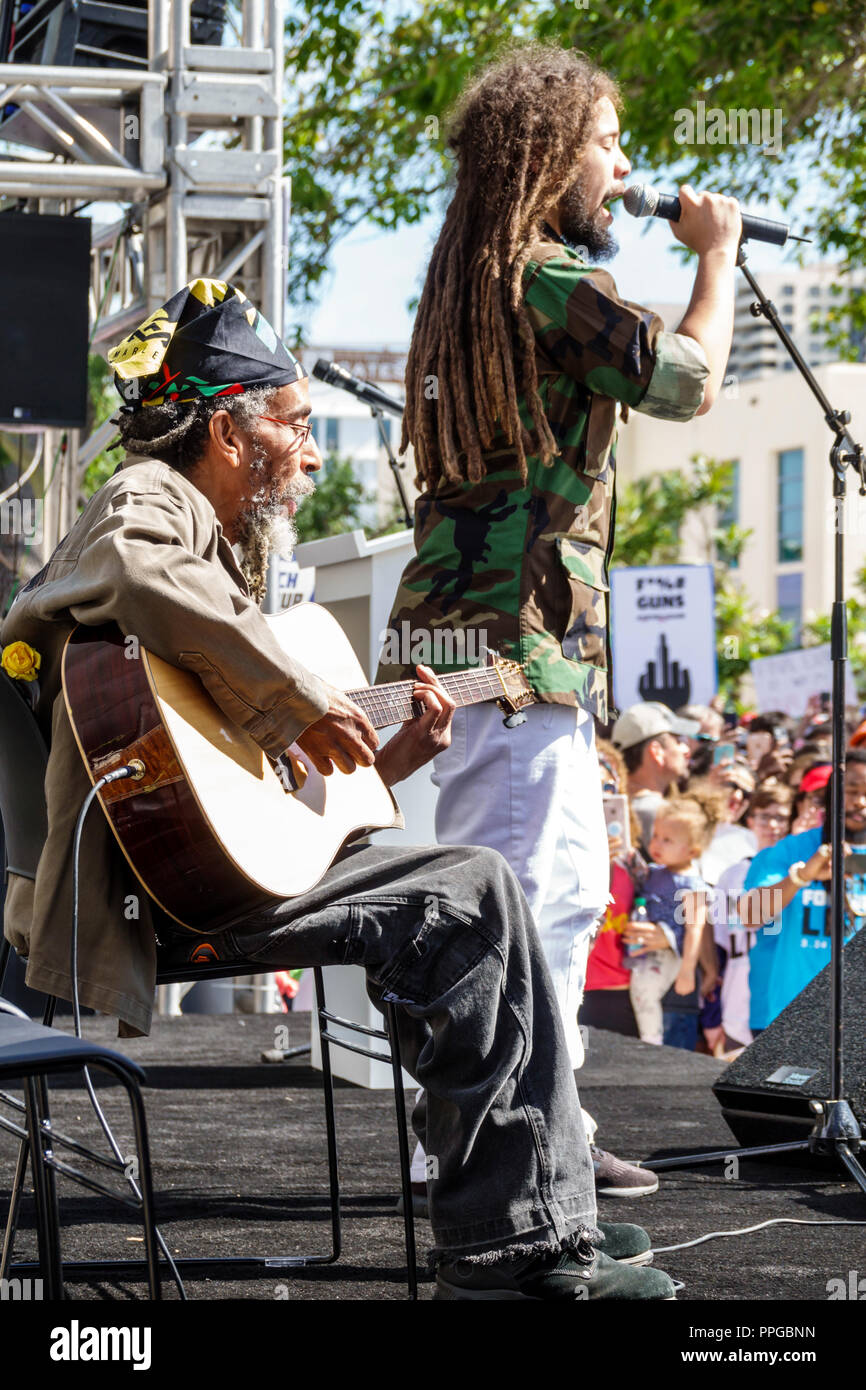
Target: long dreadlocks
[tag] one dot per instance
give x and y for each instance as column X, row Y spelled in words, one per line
column 518, row 133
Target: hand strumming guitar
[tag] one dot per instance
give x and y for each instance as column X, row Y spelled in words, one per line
column 345, row 738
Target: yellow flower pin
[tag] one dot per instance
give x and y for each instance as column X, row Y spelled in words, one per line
column 21, row 661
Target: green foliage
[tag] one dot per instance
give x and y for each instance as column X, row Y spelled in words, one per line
column 336, row 504
column 368, row 90
column 650, row 512
column 818, row 631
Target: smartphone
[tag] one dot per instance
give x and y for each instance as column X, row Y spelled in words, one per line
column 825, row 699
column 757, row 746
column 616, row 819
column 722, row 752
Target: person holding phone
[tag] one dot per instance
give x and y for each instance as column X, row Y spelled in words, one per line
column 785, row 902
column 768, row 745
column 767, row 818
column 606, row 1003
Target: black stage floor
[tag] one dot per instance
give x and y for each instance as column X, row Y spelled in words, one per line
column 240, row 1169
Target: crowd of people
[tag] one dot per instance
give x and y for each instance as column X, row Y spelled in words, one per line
column 718, row 834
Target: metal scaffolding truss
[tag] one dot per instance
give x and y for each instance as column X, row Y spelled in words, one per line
column 191, row 150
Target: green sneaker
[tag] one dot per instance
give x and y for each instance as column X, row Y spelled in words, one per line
column 628, row 1244
column 577, row 1275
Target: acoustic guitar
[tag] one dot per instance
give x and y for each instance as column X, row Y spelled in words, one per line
column 212, row 827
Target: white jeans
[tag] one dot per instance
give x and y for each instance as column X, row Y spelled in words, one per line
column 534, row 794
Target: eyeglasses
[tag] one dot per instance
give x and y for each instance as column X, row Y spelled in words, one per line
column 769, row 818
column 302, row 432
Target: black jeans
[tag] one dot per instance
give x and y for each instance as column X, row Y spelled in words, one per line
column 446, row 934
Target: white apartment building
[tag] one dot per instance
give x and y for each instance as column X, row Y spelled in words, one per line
column 803, row 299
column 773, row 428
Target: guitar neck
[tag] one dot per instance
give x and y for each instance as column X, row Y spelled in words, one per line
column 393, row 703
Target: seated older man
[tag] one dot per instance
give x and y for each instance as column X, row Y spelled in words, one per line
column 216, row 424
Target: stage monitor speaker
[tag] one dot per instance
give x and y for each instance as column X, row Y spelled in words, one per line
column 91, row 33
column 44, row 286
column 765, row 1093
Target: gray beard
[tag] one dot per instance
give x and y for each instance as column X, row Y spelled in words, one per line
column 264, row 525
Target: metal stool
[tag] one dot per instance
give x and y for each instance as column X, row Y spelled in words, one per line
column 32, row 1052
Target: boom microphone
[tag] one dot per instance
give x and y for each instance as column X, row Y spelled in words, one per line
column 338, row 376
column 643, row 201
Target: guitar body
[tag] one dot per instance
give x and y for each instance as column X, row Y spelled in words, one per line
column 210, row 830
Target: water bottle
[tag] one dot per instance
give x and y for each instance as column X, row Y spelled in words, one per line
column 639, row 914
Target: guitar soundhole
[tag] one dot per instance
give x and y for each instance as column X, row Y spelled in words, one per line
column 314, row 791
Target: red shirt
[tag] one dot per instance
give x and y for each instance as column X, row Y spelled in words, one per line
column 604, row 969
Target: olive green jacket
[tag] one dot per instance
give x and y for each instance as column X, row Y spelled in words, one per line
column 149, row 554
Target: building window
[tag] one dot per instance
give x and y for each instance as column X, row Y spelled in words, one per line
column 332, row 435
column 789, row 601
column 789, row 509
column 787, row 289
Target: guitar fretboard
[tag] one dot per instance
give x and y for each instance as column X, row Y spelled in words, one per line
column 393, row 703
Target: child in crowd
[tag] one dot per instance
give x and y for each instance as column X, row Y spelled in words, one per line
column 664, row 982
column 768, row 818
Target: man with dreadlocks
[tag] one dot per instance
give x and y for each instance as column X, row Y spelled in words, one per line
column 218, row 442
column 521, row 353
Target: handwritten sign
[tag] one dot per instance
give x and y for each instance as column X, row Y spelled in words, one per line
column 786, row 681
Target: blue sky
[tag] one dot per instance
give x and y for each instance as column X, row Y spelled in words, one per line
column 375, row 274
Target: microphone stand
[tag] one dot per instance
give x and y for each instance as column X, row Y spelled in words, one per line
column 835, row 1133
column 395, row 464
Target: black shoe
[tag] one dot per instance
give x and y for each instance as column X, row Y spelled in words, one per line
column 628, row 1244
column 579, row 1275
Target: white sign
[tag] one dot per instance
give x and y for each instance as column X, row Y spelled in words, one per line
column 786, row 681
column 663, row 635
column 294, row 585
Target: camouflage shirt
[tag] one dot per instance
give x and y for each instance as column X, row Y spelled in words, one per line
column 523, row 567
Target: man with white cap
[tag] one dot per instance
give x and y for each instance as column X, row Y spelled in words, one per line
column 653, row 741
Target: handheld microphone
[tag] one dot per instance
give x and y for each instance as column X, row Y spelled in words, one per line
column 335, row 375
column 641, row 200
